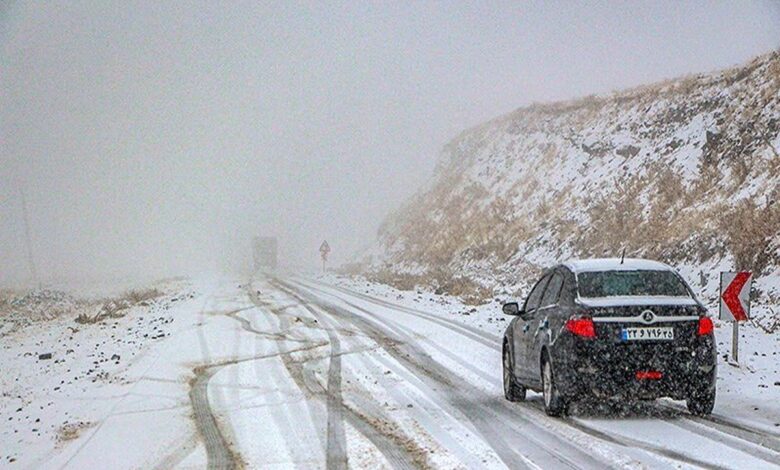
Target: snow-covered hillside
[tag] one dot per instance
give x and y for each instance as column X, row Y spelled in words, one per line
column 685, row 171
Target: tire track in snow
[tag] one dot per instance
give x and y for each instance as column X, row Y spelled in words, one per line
column 469, row 331
column 419, row 446
column 629, row 442
column 336, row 445
column 389, row 444
column 625, row 441
column 399, row 328
column 179, row 452
column 757, row 450
column 218, row 452
column 283, row 417
column 429, row 412
column 336, row 457
column 737, row 437
column 482, row 411
column 373, row 410
column 761, row 438
column 303, row 441
column 246, row 325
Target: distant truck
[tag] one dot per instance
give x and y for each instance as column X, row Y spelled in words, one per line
column 264, row 253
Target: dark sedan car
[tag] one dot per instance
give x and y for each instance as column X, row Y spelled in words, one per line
column 610, row 329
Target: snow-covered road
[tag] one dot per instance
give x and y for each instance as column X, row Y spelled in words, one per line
column 297, row 372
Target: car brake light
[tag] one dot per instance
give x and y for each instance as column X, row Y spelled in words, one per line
column 705, row 326
column 581, row 327
column 649, row 375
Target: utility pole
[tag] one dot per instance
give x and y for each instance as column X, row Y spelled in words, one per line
column 28, row 240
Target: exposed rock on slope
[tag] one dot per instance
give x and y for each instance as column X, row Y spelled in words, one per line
column 685, row 171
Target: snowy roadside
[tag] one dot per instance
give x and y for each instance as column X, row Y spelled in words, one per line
column 61, row 376
column 747, row 393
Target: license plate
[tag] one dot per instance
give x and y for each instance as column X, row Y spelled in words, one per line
column 647, row 333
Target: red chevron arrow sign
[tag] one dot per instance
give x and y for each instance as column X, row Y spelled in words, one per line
column 735, row 295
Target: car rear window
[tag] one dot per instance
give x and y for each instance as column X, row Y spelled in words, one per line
column 630, row 283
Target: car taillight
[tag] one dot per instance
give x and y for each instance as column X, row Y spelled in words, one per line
column 581, row 327
column 649, row 375
column 705, row 326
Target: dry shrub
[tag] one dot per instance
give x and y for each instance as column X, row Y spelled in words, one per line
column 671, row 228
column 665, row 228
column 137, row 296
column 440, row 280
column 615, row 219
column 467, row 290
column 400, row 281
column 70, row 431
column 6, row 296
column 351, row 269
column 117, row 307
column 750, row 232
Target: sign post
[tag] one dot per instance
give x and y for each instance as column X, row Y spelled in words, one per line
column 324, row 251
column 734, row 303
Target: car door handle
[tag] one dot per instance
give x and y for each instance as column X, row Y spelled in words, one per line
column 542, row 326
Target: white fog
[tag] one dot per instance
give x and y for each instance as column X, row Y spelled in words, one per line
column 156, row 139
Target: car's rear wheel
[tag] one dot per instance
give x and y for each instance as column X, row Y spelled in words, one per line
column 701, row 402
column 512, row 390
column 554, row 403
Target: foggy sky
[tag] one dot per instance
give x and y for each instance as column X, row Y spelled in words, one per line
column 156, row 139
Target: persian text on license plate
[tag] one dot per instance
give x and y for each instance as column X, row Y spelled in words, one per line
column 647, row 333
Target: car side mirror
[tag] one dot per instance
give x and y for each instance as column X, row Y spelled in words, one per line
column 512, row 308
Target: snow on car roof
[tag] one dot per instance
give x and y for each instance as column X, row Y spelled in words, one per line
column 614, row 264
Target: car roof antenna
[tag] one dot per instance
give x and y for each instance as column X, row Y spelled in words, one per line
column 623, row 255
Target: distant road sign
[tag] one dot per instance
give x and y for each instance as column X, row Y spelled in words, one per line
column 324, row 250
column 735, row 296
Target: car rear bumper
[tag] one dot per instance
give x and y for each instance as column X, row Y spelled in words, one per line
column 614, row 375
column 625, row 384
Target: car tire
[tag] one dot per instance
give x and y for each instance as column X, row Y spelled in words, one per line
column 701, row 402
column 554, row 404
column 512, row 390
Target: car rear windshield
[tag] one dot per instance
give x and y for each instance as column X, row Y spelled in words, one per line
column 630, row 283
